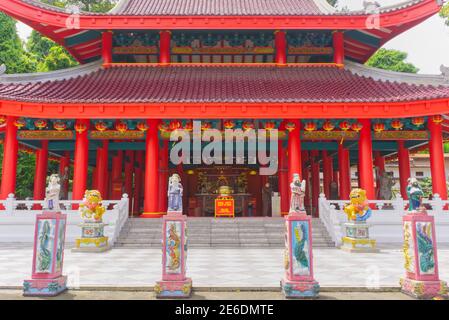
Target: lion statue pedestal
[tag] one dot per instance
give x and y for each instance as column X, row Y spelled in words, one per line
column 92, row 229
column 356, row 237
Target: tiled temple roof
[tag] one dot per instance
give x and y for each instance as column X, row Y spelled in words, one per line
column 220, row 84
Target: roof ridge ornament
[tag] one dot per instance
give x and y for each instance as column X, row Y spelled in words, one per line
column 371, row 7
column 445, row 72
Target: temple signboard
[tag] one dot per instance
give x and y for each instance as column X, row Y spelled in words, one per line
column 401, row 135
column 311, row 50
column 223, row 50
column 45, row 135
column 224, row 206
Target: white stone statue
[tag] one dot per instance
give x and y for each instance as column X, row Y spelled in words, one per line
column 385, row 185
column 52, row 193
column 174, row 193
column 298, row 189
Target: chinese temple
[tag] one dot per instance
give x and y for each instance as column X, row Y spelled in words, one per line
column 151, row 67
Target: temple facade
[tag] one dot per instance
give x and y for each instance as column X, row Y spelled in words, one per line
column 150, row 68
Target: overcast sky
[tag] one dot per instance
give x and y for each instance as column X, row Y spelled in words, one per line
column 427, row 44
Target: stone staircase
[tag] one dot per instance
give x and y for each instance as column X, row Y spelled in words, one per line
column 218, row 233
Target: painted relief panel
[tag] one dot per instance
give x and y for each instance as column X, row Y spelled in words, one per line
column 424, row 239
column 300, row 248
column 45, row 244
column 60, row 245
column 173, row 247
column 409, row 253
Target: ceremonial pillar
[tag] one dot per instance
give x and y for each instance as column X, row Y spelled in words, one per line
column 81, row 159
column 40, row 175
column 344, row 173
column 102, row 169
column 294, row 151
column 106, row 50
column 163, row 177
column 404, row 168
column 339, row 47
column 129, row 173
column 283, row 179
column 117, row 170
column 164, row 47
column 280, row 43
column 151, row 171
column 315, row 181
column 327, row 173
column 10, row 150
column 437, row 166
column 138, row 182
column 366, row 159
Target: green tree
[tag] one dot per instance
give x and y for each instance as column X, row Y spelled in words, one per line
column 12, row 52
column 57, row 58
column 445, row 12
column 87, row 5
column 393, row 60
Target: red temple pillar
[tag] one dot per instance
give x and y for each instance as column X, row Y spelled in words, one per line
column 366, row 177
column 314, row 155
column 283, row 179
column 10, row 150
column 64, row 165
column 294, row 151
column 106, row 49
column 164, row 47
column 102, row 169
column 129, row 173
column 306, row 176
column 138, row 181
column 151, row 171
column 344, row 172
column 404, row 167
column 437, row 166
column 40, row 174
column 81, row 160
column 163, row 177
column 117, row 171
column 280, row 43
column 327, row 173
column 339, row 47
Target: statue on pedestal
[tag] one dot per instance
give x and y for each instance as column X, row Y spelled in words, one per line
column 298, row 190
column 415, row 194
column 385, row 185
column 175, row 193
column 52, row 193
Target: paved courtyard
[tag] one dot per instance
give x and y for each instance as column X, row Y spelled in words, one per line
column 229, row 268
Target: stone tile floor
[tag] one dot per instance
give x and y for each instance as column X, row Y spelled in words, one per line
column 239, row 268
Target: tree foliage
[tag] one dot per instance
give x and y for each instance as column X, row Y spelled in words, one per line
column 393, row 60
column 86, row 5
column 445, row 12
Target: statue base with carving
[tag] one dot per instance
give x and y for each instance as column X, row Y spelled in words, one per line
column 92, row 238
column 48, row 256
column 357, row 238
column 298, row 281
column 420, row 255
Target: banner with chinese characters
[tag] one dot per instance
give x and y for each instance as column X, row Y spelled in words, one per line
column 401, row 135
column 135, row 50
column 223, row 50
column 224, row 207
column 113, row 134
column 45, row 135
column 311, row 50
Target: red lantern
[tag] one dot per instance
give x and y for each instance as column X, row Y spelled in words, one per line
column 248, row 125
column 437, row 118
column 2, row 119
column 163, row 127
column 328, row 126
column 206, row 125
column 59, row 125
column 419, row 121
column 142, row 126
column 19, row 123
column 379, row 127
column 121, row 126
column 188, row 126
column 290, row 126
column 175, row 125
column 229, row 124
column 310, row 126
column 356, row 126
column 345, row 126
column 270, row 125
column 80, row 127
column 40, row 123
column 397, row 124
column 101, row 126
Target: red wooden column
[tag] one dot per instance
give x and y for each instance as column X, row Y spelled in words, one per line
column 106, row 49
column 10, row 150
column 344, row 173
column 151, row 207
column 81, row 161
column 280, row 43
column 102, row 169
column 40, row 174
column 366, row 177
column 294, row 151
column 283, row 179
column 314, row 156
column 138, row 170
column 437, row 166
column 339, row 47
column 327, row 173
column 306, row 176
column 404, row 167
column 64, row 165
column 163, row 177
column 117, row 170
column 164, row 47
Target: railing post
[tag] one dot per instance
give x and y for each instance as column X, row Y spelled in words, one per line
column 437, row 204
column 9, row 204
column 398, row 204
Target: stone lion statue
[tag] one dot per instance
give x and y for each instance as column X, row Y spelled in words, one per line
column 358, row 208
column 92, row 209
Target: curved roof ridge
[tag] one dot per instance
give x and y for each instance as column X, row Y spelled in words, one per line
column 64, row 74
column 393, row 76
